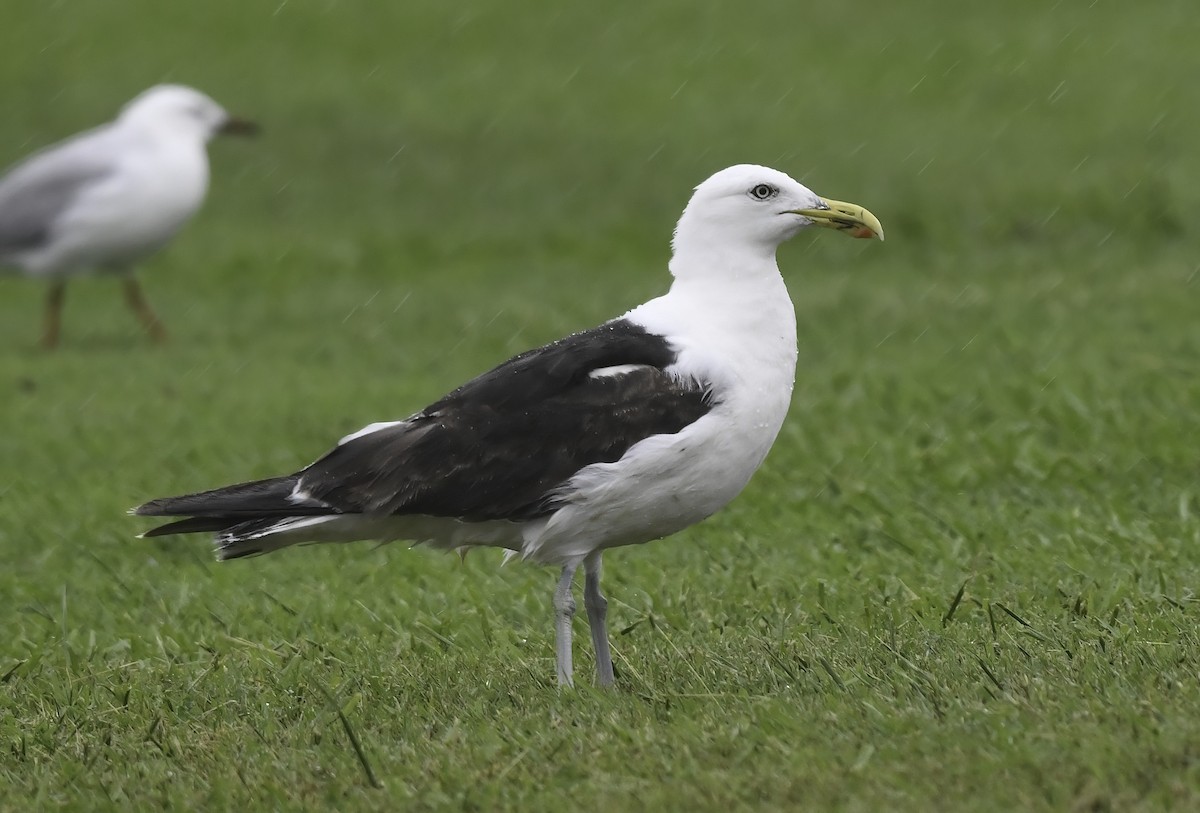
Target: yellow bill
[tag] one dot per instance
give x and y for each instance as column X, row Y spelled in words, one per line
column 845, row 217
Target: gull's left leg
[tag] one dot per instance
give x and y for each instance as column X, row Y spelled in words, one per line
column 137, row 303
column 564, row 613
column 597, row 613
column 53, row 321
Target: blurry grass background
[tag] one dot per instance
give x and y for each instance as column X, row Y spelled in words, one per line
column 965, row 578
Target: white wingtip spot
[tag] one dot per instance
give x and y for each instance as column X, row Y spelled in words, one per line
column 617, row 369
column 367, row 430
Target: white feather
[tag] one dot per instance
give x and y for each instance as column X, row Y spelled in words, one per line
column 367, row 430
column 618, row 369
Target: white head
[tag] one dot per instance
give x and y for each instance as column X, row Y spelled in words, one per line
column 752, row 209
column 181, row 110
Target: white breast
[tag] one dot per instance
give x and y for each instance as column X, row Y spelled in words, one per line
column 742, row 341
column 155, row 188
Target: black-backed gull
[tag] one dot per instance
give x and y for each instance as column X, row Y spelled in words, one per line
column 618, row 435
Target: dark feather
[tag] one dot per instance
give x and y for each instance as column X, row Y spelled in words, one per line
column 223, row 508
column 193, row 525
column 254, row 499
column 495, row 448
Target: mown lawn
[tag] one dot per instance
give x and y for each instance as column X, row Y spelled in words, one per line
column 965, row 578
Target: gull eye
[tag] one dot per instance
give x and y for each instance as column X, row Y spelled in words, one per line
column 764, row 191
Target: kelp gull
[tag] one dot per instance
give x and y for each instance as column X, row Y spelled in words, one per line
column 618, row 435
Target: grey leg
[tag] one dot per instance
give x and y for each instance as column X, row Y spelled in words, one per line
column 597, row 613
column 564, row 613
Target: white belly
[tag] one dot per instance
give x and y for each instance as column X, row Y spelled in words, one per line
column 668, row 482
column 126, row 216
column 661, row 486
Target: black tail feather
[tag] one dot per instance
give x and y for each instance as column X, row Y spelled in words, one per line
column 194, row 525
column 253, row 499
column 241, row 552
column 221, row 509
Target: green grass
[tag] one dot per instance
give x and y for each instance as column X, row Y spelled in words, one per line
column 965, row 578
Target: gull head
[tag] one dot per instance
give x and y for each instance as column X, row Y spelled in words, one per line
column 759, row 208
column 182, row 110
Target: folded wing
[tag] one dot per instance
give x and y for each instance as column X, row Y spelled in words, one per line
column 496, row 448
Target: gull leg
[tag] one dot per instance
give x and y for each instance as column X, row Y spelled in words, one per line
column 597, row 613
column 53, row 322
column 137, row 303
column 564, row 612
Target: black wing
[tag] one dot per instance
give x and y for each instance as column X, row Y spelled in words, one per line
column 495, row 448
column 498, row 446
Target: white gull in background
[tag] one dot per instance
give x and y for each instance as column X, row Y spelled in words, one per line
column 109, row 197
column 618, row 435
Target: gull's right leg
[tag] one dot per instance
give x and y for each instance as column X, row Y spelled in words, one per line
column 597, row 613
column 141, row 308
